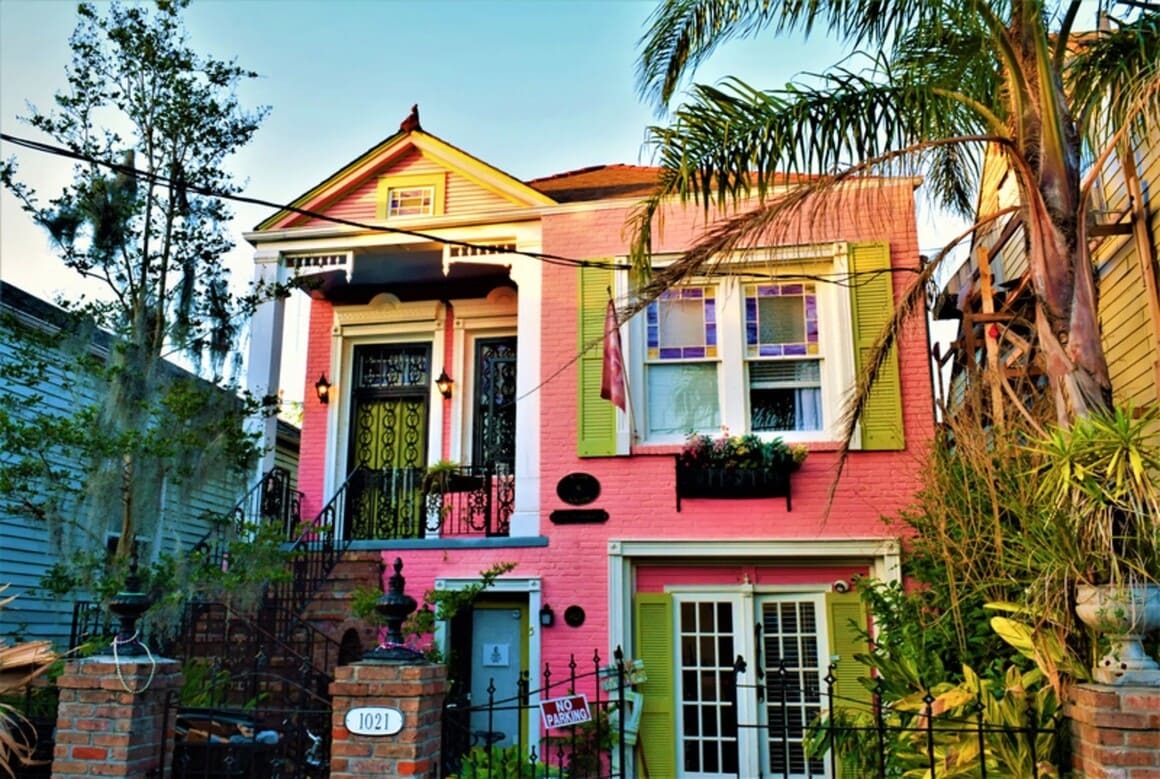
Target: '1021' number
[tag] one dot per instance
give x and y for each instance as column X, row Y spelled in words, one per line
column 374, row 721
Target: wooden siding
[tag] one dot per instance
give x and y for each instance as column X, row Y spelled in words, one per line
column 1128, row 330
column 27, row 551
column 462, row 195
column 1125, row 317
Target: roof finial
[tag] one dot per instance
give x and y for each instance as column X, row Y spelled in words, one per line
column 412, row 120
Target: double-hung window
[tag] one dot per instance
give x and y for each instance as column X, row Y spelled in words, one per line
column 682, row 364
column 770, row 345
column 783, row 359
column 772, row 357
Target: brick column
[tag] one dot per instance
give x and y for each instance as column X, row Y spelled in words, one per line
column 1115, row 731
column 415, row 690
column 104, row 729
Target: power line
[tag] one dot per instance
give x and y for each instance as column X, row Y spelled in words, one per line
column 555, row 259
column 848, row 280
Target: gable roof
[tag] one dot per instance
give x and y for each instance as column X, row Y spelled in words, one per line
column 379, row 158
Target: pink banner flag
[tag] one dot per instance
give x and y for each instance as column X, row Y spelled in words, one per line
column 612, row 377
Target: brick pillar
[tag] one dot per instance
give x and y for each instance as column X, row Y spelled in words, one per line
column 415, row 690
column 103, row 729
column 1115, row 731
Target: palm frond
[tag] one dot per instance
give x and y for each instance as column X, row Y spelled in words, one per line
column 683, row 33
column 777, row 218
column 1109, row 70
column 733, row 142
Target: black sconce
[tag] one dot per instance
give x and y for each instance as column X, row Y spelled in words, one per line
column 444, row 383
column 547, row 616
column 322, row 387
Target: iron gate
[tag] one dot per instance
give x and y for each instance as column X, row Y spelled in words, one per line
column 593, row 745
column 256, row 726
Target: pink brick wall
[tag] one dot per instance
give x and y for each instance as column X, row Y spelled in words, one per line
column 312, row 461
column 875, row 483
column 639, row 492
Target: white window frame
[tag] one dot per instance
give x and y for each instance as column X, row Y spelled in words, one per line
column 835, row 340
column 747, row 602
column 426, row 205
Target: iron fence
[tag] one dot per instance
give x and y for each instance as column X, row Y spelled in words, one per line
column 812, row 732
column 592, row 742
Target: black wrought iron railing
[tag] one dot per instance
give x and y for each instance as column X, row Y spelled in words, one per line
column 498, row 733
column 272, row 501
column 406, row 503
column 814, row 731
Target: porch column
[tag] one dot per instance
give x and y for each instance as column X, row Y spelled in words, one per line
column 264, row 366
column 525, row 519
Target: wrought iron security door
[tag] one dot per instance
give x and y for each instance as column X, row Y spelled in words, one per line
column 388, row 438
column 494, row 435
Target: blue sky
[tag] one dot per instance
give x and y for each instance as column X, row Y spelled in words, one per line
column 534, row 87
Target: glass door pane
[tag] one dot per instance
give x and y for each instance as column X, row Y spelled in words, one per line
column 708, row 713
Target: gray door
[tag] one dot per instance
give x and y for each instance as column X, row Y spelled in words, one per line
column 497, row 657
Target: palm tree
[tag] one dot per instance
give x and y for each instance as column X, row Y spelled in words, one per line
column 931, row 86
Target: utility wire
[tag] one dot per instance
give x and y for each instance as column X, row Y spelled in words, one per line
column 59, row 151
column 849, row 280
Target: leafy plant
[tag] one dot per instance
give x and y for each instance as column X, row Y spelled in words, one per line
column 1015, row 719
column 1099, row 487
column 153, row 122
column 438, row 475
column 437, row 605
column 504, row 763
column 745, row 451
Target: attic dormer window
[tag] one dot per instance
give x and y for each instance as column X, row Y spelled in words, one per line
column 400, row 197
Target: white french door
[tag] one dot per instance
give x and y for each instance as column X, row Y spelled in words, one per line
column 750, row 679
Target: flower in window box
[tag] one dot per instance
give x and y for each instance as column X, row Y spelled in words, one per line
column 740, row 453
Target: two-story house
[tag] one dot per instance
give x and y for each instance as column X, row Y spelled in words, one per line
column 453, row 308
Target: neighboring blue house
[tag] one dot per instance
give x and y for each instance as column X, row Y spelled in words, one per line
column 27, row 548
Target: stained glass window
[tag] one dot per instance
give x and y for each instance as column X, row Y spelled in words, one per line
column 682, row 324
column 781, row 320
column 410, row 201
column 682, row 349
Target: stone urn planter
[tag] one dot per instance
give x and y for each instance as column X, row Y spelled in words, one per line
column 1124, row 614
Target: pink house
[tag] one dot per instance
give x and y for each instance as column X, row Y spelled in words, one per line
column 423, row 262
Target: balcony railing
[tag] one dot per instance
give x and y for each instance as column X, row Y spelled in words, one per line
column 410, row 503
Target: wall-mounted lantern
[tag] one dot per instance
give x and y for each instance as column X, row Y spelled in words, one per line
column 444, row 383
column 547, row 616
column 322, row 387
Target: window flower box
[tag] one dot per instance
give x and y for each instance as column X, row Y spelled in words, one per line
column 736, row 467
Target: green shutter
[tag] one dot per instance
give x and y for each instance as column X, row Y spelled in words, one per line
column 653, row 637
column 595, row 416
column 844, row 611
column 872, row 303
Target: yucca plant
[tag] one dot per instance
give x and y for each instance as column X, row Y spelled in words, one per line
column 1099, row 489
